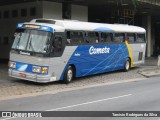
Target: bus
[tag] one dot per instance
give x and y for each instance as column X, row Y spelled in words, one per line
column 46, row 50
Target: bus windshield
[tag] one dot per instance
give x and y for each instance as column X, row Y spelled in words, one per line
column 32, row 41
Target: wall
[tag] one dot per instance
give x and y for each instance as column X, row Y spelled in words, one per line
column 52, row 10
column 8, row 24
column 44, row 9
column 79, row 12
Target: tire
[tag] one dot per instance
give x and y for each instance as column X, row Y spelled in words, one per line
column 127, row 66
column 69, row 74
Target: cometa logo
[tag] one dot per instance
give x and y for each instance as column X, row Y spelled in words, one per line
column 93, row 51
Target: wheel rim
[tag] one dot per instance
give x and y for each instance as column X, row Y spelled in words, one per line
column 127, row 65
column 69, row 75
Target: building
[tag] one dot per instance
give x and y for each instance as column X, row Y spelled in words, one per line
column 144, row 13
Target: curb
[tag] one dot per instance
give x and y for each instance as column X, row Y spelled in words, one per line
column 150, row 72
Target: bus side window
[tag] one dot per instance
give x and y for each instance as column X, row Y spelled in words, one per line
column 106, row 37
column 97, row 37
column 119, row 37
column 93, row 37
column 140, row 38
column 86, row 40
column 130, row 37
column 68, row 37
column 76, row 37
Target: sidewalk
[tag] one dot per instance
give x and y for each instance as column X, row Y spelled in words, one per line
column 150, row 68
column 12, row 88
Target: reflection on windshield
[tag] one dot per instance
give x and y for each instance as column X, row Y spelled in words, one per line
column 32, row 40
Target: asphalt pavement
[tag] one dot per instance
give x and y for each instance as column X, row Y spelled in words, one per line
column 141, row 95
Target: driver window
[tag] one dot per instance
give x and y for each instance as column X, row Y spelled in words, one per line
column 57, row 44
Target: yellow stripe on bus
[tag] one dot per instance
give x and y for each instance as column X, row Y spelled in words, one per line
column 130, row 53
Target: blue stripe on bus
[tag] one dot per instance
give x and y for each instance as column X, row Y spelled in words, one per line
column 97, row 60
column 103, row 29
column 25, row 67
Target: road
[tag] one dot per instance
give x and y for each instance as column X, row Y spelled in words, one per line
column 141, row 95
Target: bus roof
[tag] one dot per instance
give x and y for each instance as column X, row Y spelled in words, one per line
column 88, row 26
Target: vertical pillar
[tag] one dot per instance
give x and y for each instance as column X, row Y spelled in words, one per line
column 149, row 36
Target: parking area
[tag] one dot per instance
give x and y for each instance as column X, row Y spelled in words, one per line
column 11, row 87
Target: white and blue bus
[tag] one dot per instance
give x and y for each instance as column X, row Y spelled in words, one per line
column 46, row 50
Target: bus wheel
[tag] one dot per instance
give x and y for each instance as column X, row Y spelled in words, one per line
column 127, row 65
column 68, row 76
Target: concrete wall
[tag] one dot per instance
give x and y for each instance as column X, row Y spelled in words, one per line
column 52, row 10
column 8, row 25
column 79, row 12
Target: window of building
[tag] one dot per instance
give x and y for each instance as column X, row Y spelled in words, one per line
column 140, row 38
column 33, row 11
column 119, row 37
column 23, row 12
column 131, row 37
column 106, row 37
column 6, row 41
column 6, row 14
column 15, row 13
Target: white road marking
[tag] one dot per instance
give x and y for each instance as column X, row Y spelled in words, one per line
column 86, row 103
column 91, row 102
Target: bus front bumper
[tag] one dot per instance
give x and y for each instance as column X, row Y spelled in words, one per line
column 31, row 77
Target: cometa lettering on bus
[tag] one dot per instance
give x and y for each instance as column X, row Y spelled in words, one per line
column 93, row 50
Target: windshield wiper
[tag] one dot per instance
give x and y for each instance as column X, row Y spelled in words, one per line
column 30, row 44
column 19, row 40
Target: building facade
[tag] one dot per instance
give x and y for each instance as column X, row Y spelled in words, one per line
column 136, row 12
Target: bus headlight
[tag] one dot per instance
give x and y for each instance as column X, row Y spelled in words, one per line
column 44, row 70
column 12, row 64
column 36, row 69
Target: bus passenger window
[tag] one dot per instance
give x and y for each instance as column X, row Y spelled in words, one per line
column 68, row 37
column 119, row 37
column 93, row 37
column 131, row 37
column 97, row 37
column 106, row 37
column 76, row 38
column 140, row 38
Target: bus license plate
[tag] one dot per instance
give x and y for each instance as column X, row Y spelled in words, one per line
column 22, row 75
